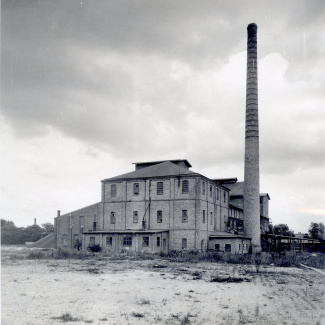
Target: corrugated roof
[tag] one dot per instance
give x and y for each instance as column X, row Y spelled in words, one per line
column 164, row 169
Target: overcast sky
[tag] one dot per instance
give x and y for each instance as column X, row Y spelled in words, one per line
column 89, row 87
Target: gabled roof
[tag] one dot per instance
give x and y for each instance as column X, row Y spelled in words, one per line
column 163, row 169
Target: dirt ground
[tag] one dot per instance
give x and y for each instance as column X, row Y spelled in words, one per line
column 105, row 291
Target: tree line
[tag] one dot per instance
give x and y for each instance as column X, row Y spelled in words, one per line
column 315, row 231
column 11, row 235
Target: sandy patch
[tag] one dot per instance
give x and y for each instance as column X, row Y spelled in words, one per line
column 148, row 292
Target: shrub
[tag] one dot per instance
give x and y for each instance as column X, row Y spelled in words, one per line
column 95, row 248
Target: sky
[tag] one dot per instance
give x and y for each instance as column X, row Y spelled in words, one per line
column 90, row 87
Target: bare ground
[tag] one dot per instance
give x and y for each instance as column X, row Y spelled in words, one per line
column 105, row 291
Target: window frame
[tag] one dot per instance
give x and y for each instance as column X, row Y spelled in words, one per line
column 203, row 216
column 113, row 218
column 135, row 217
column 184, row 216
column 184, row 243
column 136, row 188
column 145, row 241
column 109, row 241
column 185, row 186
column 160, row 188
column 113, row 190
column 159, row 216
column 127, row 241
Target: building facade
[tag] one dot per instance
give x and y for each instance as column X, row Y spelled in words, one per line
column 159, row 207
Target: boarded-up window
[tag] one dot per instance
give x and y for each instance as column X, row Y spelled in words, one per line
column 92, row 240
column 145, row 241
column 113, row 190
column 135, row 217
column 109, row 241
column 136, row 188
column 112, row 217
column 160, row 188
column 211, row 218
column 217, row 247
column 127, row 241
column 184, row 243
column 185, row 186
column 184, row 216
column 159, row 216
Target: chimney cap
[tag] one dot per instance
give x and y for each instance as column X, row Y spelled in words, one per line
column 252, row 26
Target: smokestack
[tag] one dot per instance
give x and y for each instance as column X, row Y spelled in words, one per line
column 34, row 221
column 59, row 212
column 252, row 175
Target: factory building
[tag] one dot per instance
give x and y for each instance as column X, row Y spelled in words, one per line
column 163, row 205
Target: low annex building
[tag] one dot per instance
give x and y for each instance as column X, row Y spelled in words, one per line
column 159, row 207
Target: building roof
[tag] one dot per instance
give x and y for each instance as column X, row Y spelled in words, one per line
column 161, row 161
column 166, row 168
column 227, row 181
column 221, row 234
column 237, row 189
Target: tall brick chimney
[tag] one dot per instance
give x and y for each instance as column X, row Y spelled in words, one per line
column 251, row 174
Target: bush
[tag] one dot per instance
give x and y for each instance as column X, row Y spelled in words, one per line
column 95, row 248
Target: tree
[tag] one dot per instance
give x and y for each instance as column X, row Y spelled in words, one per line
column 283, row 230
column 48, row 227
column 316, row 230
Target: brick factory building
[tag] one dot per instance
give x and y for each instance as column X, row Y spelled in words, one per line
column 163, row 206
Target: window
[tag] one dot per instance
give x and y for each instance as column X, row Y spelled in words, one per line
column 164, row 243
column 94, row 226
column 135, row 217
column 217, row 194
column 127, row 241
column 160, row 188
column 239, row 247
column 224, row 196
column 159, row 216
column 65, row 240
column 184, row 243
column 228, row 248
column 203, row 188
column 211, row 218
column 92, row 240
column 109, row 241
column 82, row 222
column 145, row 241
column 210, row 190
column 261, row 199
column 185, row 186
column 184, row 216
column 203, row 216
column 112, row 218
column 113, row 190
column 136, row 188
column 217, row 247
column 158, row 241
